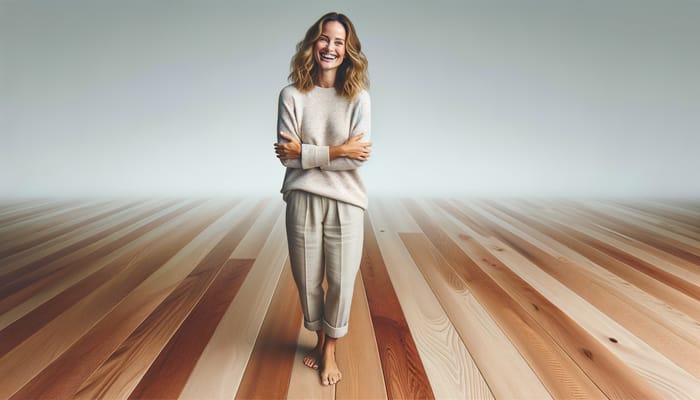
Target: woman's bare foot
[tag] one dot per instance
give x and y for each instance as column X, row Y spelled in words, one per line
column 313, row 358
column 330, row 374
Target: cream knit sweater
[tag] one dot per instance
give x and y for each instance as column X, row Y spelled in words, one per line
column 319, row 119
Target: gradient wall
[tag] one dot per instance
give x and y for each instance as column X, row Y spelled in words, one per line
column 499, row 97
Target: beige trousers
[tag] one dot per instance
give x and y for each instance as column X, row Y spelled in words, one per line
column 324, row 234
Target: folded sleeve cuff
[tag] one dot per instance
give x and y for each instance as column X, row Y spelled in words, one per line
column 313, row 156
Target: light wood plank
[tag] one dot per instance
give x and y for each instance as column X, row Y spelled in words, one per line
column 168, row 374
column 449, row 366
column 88, row 261
column 269, row 368
column 119, row 375
column 404, row 373
column 357, row 354
column 190, row 243
column 219, row 370
column 533, row 244
column 556, row 363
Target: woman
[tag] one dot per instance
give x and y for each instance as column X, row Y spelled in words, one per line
column 323, row 130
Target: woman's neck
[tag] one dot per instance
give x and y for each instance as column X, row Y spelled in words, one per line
column 326, row 78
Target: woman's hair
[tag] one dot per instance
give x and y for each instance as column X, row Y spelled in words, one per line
column 351, row 77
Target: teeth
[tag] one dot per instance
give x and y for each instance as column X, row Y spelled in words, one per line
column 328, row 56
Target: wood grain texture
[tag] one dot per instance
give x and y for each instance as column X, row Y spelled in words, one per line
column 562, row 263
column 556, row 367
column 84, row 337
column 357, row 354
column 455, row 298
column 117, row 376
column 168, row 374
column 403, row 369
column 448, row 364
column 304, row 381
column 28, row 309
column 494, row 354
column 221, row 365
column 270, row 365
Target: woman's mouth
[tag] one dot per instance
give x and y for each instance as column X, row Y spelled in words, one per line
column 328, row 57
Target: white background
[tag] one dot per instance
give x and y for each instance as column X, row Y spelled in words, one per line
column 498, row 97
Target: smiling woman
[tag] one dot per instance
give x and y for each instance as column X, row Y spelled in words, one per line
column 323, row 131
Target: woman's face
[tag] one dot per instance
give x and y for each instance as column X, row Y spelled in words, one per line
column 329, row 49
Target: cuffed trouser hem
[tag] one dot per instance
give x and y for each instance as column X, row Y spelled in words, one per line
column 333, row 331
column 313, row 325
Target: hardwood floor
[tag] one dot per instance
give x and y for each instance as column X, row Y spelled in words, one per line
column 455, row 298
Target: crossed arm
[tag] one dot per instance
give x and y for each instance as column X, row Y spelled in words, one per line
column 293, row 153
column 343, row 157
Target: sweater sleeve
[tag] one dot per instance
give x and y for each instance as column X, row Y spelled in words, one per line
column 312, row 156
column 361, row 123
column 287, row 123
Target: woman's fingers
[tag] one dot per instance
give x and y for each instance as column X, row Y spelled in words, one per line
column 289, row 150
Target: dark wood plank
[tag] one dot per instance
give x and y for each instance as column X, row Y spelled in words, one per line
column 96, row 345
column 59, row 268
column 404, row 374
column 24, row 276
column 270, row 365
column 31, row 212
column 29, row 234
column 169, row 372
column 643, row 235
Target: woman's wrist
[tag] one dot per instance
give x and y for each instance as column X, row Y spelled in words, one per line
column 336, row 152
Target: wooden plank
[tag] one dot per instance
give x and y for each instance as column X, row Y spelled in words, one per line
column 119, row 375
column 546, row 254
column 270, row 364
column 24, row 213
column 447, row 362
column 59, row 274
column 404, row 373
column 304, row 382
column 13, row 206
column 673, row 331
column 600, row 242
column 557, row 360
column 168, row 374
column 149, row 280
column 675, row 216
column 252, row 243
column 570, row 233
column 27, row 325
column 20, row 264
column 494, row 354
column 607, row 330
column 357, row 354
column 40, row 254
column 676, row 249
column 657, row 219
column 41, row 228
column 609, row 286
column 639, row 219
column 219, row 370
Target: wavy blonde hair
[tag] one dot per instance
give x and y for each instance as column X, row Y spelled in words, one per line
column 352, row 75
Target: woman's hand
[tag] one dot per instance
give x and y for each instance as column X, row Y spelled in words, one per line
column 288, row 151
column 353, row 149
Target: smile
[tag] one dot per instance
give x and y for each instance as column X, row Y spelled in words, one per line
column 328, row 57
